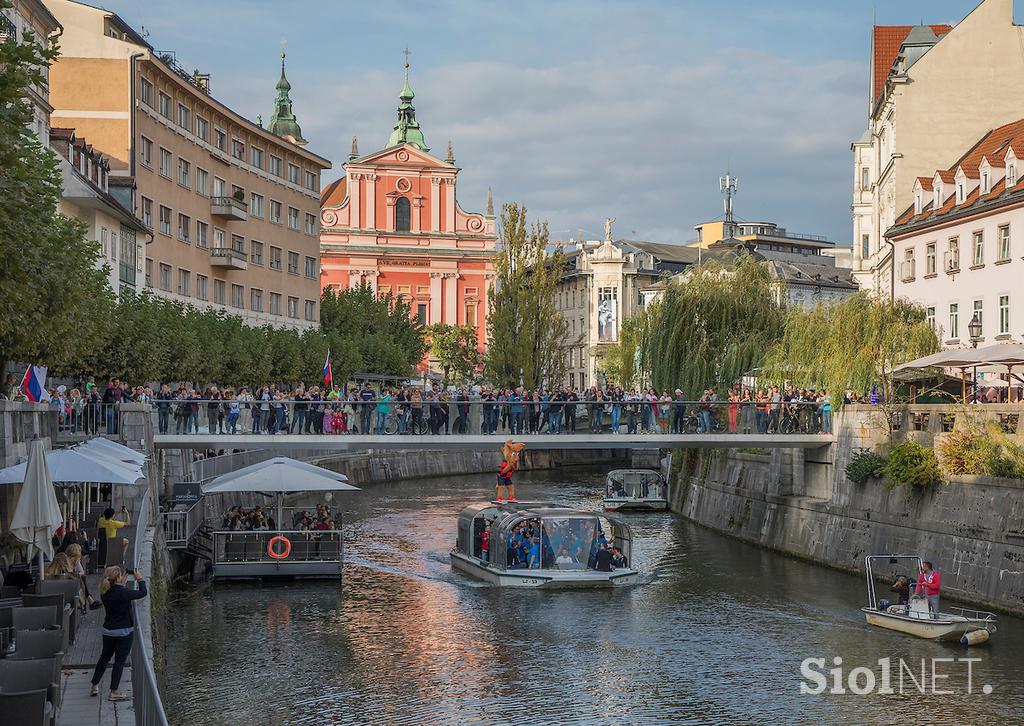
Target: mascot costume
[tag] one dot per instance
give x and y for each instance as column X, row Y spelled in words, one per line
column 510, row 463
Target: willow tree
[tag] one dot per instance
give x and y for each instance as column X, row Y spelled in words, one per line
column 712, row 326
column 527, row 335
column 853, row 344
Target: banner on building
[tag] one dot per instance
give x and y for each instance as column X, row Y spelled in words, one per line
column 608, row 320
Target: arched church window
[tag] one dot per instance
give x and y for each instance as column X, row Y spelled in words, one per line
column 403, row 214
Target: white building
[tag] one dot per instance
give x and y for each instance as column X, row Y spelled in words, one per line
column 958, row 249
column 31, row 16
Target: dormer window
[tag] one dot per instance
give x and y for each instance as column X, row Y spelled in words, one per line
column 1011, row 175
column 959, row 192
column 918, row 202
column 937, row 197
column 984, row 183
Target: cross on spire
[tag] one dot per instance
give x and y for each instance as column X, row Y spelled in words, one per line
column 407, row 53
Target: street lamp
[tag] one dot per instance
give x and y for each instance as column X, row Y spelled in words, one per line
column 974, row 328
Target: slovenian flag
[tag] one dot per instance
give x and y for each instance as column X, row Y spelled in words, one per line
column 32, row 385
column 328, row 374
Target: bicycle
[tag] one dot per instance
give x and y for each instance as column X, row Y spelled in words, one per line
column 415, row 428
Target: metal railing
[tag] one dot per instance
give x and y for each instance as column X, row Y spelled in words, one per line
column 236, row 547
column 229, row 252
column 181, row 524
column 476, row 416
column 229, row 202
column 78, row 417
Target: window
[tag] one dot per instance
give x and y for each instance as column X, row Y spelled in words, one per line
column 257, row 157
column 275, row 303
column 202, row 181
column 470, row 314
column 930, row 316
column 165, row 277
column 421, row 313
column 310, row 224
column 954, row 320
column 979, row 248
column 311, row 267
column 147, row 212
column 864, row 184
column 865, row 246
column 1004, row 243
column 256, row 300
column 238, row 149
column 275, row 258
column 146, row 151
column 164, row 106
column 293, row 218
column 311, row 181
column 403, row 214
column 149, row 272
column 165, row 163
column 1011, row 175
column 184, row 227
column 202, row 128
column 256, row 253
column 238, row 244
column 218, row 291
column 219, row 239
column 202, row 234
column 275, row 165
column 984, row 182
column 929, row 258
column 979, row 312
column 256, row 205
column 146, row 92
column 201, row 282
column 293, row 263
column 275, row 211
column 104, row 241
column 184, row 173
column 959, row 193
column 220, row 139
column 293, row 307
column 184, row 282
column 165, row 220
column 184, row 117
column 953, row 255
column 220, row 187
column 237, row 299
column 1004, row 314
column 310, row 310
column 293, row 174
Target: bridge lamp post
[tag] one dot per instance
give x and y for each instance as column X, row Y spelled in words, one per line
column 974, row 329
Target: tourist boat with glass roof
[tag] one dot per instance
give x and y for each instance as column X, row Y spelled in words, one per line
column 643, row 490
column 537, row 544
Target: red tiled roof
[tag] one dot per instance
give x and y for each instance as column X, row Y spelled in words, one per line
column 887, row 41
column 334, row 193
column 926, row 182
column 948, row 176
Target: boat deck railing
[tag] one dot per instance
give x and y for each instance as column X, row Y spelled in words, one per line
column 240, row 547
column 972, row 614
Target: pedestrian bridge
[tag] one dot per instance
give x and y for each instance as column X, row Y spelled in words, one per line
column 485, row 442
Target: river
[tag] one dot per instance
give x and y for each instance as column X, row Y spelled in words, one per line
column 715, row 634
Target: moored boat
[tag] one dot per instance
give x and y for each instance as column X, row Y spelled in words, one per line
column 529, row 544
column 967, row 626
column 635, row 490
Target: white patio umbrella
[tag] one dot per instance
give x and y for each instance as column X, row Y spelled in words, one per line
column 115, row 450
column 128, row 467
column 37, row 515
column 68, row 465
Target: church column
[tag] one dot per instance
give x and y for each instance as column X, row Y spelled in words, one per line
column 417, row 203
column 449, row 205
column 371, row 201
column 435, row 204
column 389, row 212
column 354, row 278
column 353, row 193
column 371, row 279
column 435, row 297
column 451, row 298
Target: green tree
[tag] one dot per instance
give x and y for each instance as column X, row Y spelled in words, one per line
column 850, row 345
column 712, row 326
column 55, row 301
column 456, row 350
column 620, row 360
column 527, row 335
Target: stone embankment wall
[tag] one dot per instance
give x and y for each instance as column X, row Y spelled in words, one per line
column 801, row 504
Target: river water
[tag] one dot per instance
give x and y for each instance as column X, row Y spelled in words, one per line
column 716, row 634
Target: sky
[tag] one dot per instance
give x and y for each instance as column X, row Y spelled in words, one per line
column 579, row 109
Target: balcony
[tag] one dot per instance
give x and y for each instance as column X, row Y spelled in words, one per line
column 229, row 258
column 229, row 208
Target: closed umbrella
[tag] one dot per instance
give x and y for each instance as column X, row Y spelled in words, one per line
column 37, row 515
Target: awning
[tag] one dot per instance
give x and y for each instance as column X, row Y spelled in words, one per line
column 69, row 465
column 280, row 475
column 114, row 450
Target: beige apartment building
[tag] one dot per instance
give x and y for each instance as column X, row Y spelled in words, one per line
column 234, row 207
column 933, row 91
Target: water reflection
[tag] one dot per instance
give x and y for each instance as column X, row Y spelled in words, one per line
column 715, row 635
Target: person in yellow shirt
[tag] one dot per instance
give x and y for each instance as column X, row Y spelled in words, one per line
column 109, row 527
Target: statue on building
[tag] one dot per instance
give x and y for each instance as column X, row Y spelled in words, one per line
column 608, row 228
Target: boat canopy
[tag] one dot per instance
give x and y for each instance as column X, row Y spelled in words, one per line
column 636, row 484
column 564, row 539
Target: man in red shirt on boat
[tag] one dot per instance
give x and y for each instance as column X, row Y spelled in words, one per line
column 510, row 463
column 928, row 583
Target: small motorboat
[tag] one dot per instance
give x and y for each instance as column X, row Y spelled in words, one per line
column 638, row 490
column 536, row 544
column 964, row 625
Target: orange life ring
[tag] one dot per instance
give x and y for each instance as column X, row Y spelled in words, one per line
column 274, row 553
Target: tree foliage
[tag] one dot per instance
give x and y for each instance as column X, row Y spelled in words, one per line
column 712, row 326
column 527, row 335
column 455, row 348
column 620, row 360
column 852, row 344
column 54, row 303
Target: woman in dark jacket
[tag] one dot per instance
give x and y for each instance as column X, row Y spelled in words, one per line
column 118, row 626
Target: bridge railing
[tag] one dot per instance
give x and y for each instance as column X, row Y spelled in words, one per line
column 451, row 416
column 181, row 524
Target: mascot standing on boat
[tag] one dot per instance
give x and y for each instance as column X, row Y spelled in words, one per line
column 509, row 464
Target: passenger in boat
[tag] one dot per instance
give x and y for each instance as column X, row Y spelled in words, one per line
column 603, row 560
column 928, row 584
column 618, row 559
column 485, row 541
column 534, row 560
column 563, row 558
column 902, row 589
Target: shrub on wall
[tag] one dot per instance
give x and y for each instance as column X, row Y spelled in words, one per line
column 864, row 465
column 989, row 453
column 912, row 464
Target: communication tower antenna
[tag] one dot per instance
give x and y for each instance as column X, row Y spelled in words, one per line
column 728, row 185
